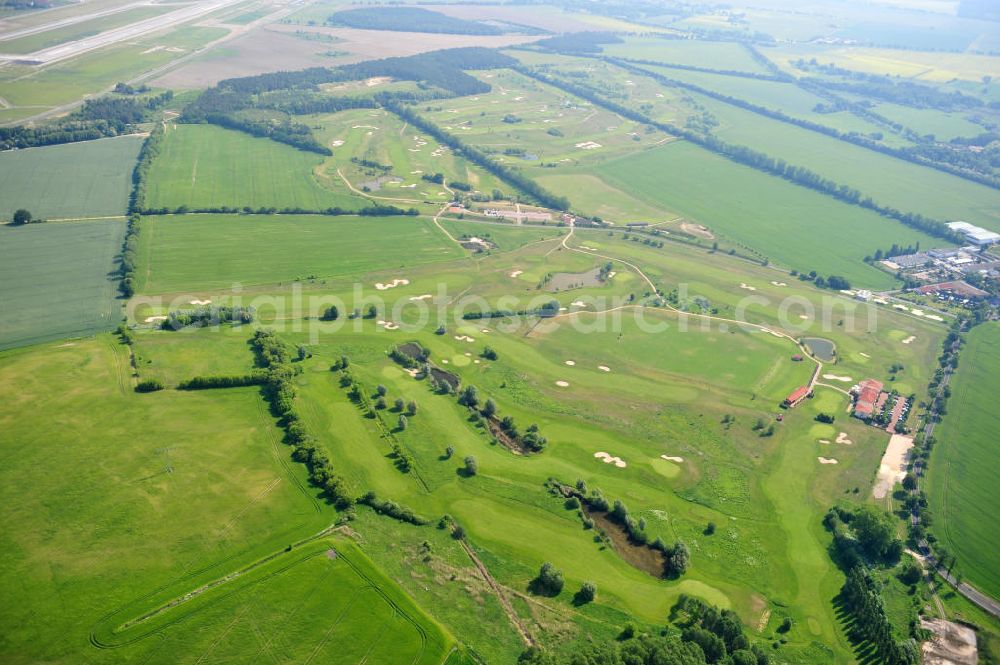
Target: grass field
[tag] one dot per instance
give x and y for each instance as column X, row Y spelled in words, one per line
column 711, row 55
column 55, row 280
column 961, row 480
column 159, row 516
column 89, row 179
column 792, row 225
column 214, row 251
column 205, row 166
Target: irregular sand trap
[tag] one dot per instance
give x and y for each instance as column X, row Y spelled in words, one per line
column 154, row 319
column 201, row 302
column 827, row 460
column 464, row 338
column 570, row 362
column 842, row 438
column 825, row 441
column 865, row 355
column 892, row 470
column 778, row 284
column 336, row 144
column 834, row 377
column 612, row 274
column 604, row 368
column 933, row 317
column 468, row 355
column 426, row 296
column 391, row 285
column 672, row 459
column 909, row 339
column 562, row 384
column 610, row 459
column 516, row 273
column 803, row 317
column 917, row 312
column 578, row 303
column 747, row 287
column 388, row 325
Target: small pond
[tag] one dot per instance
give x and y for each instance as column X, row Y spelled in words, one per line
column 821, row 348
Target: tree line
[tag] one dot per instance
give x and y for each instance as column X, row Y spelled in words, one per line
column 946, row 160
column 372, row 210
column 207, row 316
column 256, row 378
column 753, row 158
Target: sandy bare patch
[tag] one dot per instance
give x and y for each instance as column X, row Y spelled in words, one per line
column 952, row 644
column 697, row 230
column 834, row 377
column 672, row 459
column 465, row 338
column 562, row 384
column 200, row 302
column 827, row 460
column 747, row 287
column 610, row 459
column 909, row 340
column 391, row 285
column 842, row 438
column 892, row 469
column 515, row 273
column 604, row 368
column 426, row 296
column 155, row 319
column 571, row 363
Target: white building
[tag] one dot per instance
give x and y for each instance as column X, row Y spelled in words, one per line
column 975, row 234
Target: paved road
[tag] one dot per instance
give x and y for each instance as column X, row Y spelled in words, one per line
column 70, row 49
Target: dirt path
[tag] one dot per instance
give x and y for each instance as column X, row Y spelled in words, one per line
column 504, row 601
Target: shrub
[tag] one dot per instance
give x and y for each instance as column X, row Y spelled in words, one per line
column 587, row 593
column 471, row 465
column 550, row 580
column 149, row 386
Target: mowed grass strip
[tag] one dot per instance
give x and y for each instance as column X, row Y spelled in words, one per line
column 56, row 280
column 203, row 166
column 88, row 179
column 792, row 225
column 962, row 478
column 181, row 252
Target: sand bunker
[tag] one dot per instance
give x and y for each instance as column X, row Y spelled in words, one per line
column 604, row 368
column 834, row 377
column 336, row 144
column 909, row 339
column 465, row 338
column 391, row 285
column 364, row 127
column 902, row 307
column 804, row 317
column 827, row 460
column 588, row 145
column 426, row 296
column 610, row 459
column 570, row 362
column 865, row 355
column 388, row 325
column 747, row 287
column 842, row 438
column 578, row 303
column 445, row 361
column 778, row 284
column 934, row 317
column 562, row 384
column 892, row 470
column 825, row 441
column 516, row 273
column 154, row 319
column 201, row 302
column 672, row 459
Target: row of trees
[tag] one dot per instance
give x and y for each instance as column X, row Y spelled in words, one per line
column 862, row 596
column 391, row 509
column 530, row 441
column 916, row 155
column 255, row 378
column 548, row 309
column 207, row 316
column 750, row 157
column 372, row 210
column 279, row 389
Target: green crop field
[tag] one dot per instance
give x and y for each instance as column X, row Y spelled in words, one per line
column 799, row 229
column 204, row 166
column 89, row 179
column 195, row 252
column 961, row 481
column 711, row 55
column 56, row 280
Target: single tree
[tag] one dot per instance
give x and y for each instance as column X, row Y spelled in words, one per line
column 21, row 216
column 586, row 593
column 402, row 422
column 490, row 408
column 411, row 408
column 471, row 466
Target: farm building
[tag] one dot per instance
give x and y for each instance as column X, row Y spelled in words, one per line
column 959, row 288
column 518, row 216
column 868, row 398
column 975, row 234
column 796, row 397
